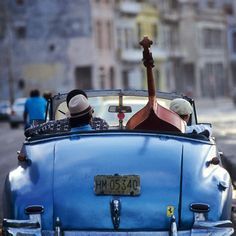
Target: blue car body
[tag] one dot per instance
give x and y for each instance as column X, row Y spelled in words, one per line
column 181, row 190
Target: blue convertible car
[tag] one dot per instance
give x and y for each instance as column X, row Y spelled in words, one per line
column 118, row 181
column 142, row 176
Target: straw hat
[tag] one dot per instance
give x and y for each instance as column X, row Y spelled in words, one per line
column 79, row 106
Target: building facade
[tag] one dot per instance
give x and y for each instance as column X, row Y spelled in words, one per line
column 94, row 44
column 230, row 8
column 37, row 40
column 134, row 20
column 204, row 43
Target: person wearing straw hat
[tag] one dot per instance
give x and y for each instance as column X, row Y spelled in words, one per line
column 80, row 113
column 63, row 125
column 184, row 109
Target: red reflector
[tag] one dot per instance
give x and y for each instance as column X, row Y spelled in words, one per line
column 22, row 157
column 121, row 115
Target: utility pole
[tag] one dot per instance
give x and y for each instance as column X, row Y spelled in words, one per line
column 8, row 42
column 10, row 79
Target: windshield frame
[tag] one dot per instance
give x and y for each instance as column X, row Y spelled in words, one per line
column 120, row 94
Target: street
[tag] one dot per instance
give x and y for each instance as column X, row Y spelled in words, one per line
column 11, row 142
column 220, row 112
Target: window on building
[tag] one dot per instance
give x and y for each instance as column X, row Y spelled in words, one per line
column 20, row 32
column 206, row 38
column 119, row 38
column 99, row 34
column 233, row 66
column 164, row 5
column 126, row 38
column 174, row 38
column 174, row 4
column 83, row 77
column 155, row 32
column 51, row 47
column 20, row 2
column 168, row 5
column 125, row 79
column 212, row 38
column 109, row 34
column 234, row 42
column 228, row 8
column 112, row 79
column 188, row 78
column 213, row 80
column 211, row 3
column 102, row 77
column 1, row 29
column 165, row 37
column 139, row 31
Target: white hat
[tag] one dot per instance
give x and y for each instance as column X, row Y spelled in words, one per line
column 79, row 106
column 181, row 106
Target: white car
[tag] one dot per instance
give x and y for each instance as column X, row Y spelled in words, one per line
column 17, row 111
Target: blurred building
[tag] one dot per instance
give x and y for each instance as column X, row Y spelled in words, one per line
column 230, row 9
column 37, row 39
column 60, row 45
column 134, row 19
column 203, row 30
column 190, row 44
column 103, row 47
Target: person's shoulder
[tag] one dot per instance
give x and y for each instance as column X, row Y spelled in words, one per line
column 43, row 100
column 99, row 124
column 199, row 129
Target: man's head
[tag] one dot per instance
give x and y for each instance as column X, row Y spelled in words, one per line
column 182, row 107
column 80, row 110
column 34, row 93
column 73, row 93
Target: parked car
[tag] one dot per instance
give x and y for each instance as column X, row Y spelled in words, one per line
column 4, row 110
column 17, row 111
column 118, row 181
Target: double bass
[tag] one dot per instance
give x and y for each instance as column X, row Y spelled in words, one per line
column 154, row 116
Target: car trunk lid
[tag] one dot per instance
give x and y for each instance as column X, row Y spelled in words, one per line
column 81, row 159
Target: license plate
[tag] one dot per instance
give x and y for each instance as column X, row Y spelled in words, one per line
column 117, row 185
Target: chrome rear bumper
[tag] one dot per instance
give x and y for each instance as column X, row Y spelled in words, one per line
column 32, row 228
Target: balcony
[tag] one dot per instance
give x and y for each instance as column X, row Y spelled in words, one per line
column 171, row 16
column 132, row 8
column 134, row 55
column 175, row 54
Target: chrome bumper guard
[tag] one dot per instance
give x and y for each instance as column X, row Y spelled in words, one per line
column 201, row 227
column 217, row 228
column 21, row 227
column 32, row 228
